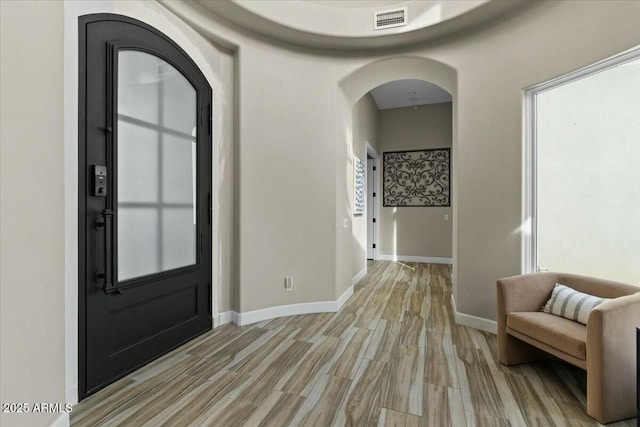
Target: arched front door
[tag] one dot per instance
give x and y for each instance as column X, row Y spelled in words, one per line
column 144, row 198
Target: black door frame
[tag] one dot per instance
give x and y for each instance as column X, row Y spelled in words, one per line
column 84, row 181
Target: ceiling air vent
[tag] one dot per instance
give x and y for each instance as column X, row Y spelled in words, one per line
column 390, row 18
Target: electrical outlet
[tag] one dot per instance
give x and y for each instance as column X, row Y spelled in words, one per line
column 288, row 283
column 446, row 217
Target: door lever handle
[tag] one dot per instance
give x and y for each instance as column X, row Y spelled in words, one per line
column 106, row 222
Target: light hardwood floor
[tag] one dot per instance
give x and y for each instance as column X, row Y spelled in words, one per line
column 392, row 356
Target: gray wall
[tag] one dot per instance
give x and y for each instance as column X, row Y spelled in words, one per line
column 31, row 208
column 416, row 231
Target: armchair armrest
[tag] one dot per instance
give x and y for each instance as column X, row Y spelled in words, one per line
column 527, row 292
column 611, row 358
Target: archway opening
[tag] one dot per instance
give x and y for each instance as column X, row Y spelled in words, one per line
column 398, row 129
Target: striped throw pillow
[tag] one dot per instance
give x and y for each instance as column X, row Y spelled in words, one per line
column 571, row 304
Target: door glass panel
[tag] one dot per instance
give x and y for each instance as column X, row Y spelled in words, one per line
column 138, row 86
column 176, row 164
column 178, row 238
column 138, row 242
column 137, row 164
column 157, row 119
column 179, row 100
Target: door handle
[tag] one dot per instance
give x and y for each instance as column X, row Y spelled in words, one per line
column 106, row 222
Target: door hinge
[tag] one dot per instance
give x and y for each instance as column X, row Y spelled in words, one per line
column 374, row 246
column 374, row 194
column 374, row 220
column 374, row 168
column 210, row 119
column 210, row 208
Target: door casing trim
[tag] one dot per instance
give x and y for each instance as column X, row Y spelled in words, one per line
column 376, row 204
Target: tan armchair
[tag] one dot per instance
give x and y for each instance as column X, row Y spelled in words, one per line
column 605, row 347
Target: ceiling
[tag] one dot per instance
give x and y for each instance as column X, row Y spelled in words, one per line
column 408, row 93
column 357, row 3
column 348, row 24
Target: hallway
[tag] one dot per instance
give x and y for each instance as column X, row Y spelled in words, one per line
column 392, row 355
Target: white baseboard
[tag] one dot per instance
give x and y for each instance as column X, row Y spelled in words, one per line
column 474, row 321
column 62, row 421
column 359, row 276
column 224, row 318
column 409, row 258
column 71, row 395
column 255, row 316
column 346, row 294
column 235, row 318
column 269, row 313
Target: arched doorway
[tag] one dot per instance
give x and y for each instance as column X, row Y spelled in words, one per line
column 360, row 82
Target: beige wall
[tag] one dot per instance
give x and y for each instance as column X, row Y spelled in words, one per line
column 292, row 208
column 365, row 130
column 416, row 231
column 286, row 169
column 31, row 208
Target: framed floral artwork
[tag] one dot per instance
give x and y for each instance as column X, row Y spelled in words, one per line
column 417, row 178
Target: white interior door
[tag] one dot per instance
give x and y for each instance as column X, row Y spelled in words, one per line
column 371, row 190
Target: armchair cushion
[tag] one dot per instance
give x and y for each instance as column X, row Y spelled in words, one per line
column 562, row 334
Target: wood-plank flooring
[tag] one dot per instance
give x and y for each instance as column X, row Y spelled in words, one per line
column 392, row 356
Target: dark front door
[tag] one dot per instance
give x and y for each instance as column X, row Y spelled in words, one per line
column 144, row 198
